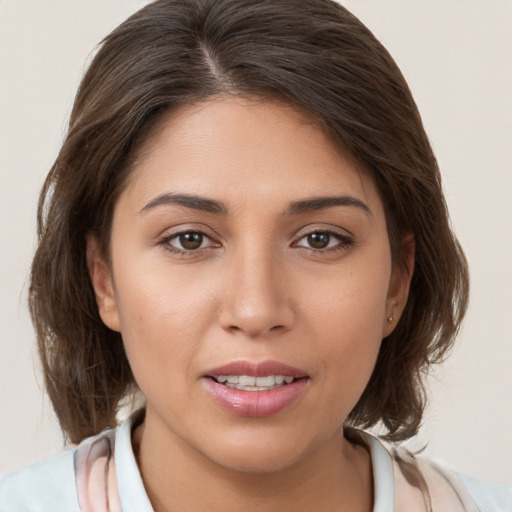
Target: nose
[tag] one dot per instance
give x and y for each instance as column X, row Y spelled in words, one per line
column 256, row 297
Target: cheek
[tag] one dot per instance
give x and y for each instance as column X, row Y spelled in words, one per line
column 345, row 318
column 164, row 318
column 350, row 301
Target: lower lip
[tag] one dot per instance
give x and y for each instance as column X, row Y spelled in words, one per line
column 255, row 404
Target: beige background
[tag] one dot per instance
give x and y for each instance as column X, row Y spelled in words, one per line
column 456, row 55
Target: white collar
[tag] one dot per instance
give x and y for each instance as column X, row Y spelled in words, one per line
column 133, row 497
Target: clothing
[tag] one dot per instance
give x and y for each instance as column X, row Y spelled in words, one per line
column 101, row 475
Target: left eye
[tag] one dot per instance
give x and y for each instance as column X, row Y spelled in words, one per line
column 322, row 240
column 189, row 241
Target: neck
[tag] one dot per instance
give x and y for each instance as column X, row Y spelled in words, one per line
column 336, row 476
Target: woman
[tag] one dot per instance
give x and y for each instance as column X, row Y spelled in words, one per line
column 243, row 223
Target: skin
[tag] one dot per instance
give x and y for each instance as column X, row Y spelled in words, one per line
column 255, row 290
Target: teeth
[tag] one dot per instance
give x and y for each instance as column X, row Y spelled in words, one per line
column 266, row 381
column 246, row 380
column 250, row 383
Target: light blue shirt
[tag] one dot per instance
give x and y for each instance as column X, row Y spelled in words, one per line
column 50, row 486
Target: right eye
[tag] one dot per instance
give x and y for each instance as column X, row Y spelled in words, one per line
column 187, row 242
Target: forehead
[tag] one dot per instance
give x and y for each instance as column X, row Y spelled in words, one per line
column 245, row 151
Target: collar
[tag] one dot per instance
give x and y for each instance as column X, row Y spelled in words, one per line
column 133, row 495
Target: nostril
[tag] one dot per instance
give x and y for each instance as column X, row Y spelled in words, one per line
column 256, row 332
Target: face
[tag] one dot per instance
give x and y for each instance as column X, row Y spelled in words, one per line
column 251, row 280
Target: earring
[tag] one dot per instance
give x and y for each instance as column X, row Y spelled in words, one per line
column 390, row 318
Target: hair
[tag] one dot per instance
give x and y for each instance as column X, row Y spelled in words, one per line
column 314, row 55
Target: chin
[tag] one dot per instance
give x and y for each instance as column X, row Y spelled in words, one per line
column 257, row 460
column 261, row 451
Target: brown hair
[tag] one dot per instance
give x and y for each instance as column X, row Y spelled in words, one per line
column 313, row 54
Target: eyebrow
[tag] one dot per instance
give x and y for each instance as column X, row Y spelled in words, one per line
column 321, row 203
column 207, row 205
column 190, row 201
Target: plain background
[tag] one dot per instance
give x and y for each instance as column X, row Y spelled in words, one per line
column 457, row 58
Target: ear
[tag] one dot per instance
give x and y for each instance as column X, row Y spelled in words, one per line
column 101, row 278
column 399, row 285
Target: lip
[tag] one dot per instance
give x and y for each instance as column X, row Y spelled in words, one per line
column 255, row 404
column 261, row 369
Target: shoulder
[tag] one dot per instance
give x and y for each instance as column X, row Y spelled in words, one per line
column 81, row 479
column 46, row 485
column 489, row 496
column 420, row 484
column 453, row 491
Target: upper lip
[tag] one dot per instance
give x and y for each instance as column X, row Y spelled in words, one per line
column 256, row 369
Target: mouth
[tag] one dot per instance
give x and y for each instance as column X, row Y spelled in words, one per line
column 252, row 383
column 255, row 389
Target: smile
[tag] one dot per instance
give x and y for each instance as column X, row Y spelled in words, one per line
column 255, row 390
column 251, row 383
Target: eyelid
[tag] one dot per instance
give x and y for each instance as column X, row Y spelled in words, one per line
column 165, row 239
column 189, row 228
column 345, row 239
column 326, row 228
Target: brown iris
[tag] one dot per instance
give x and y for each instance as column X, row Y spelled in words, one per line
column 319, row 240
column 191, row 241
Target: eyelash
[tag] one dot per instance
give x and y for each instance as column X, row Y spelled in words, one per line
column 344, row 242
column 166, row 240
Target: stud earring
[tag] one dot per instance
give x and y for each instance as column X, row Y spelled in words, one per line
column 390, row 318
